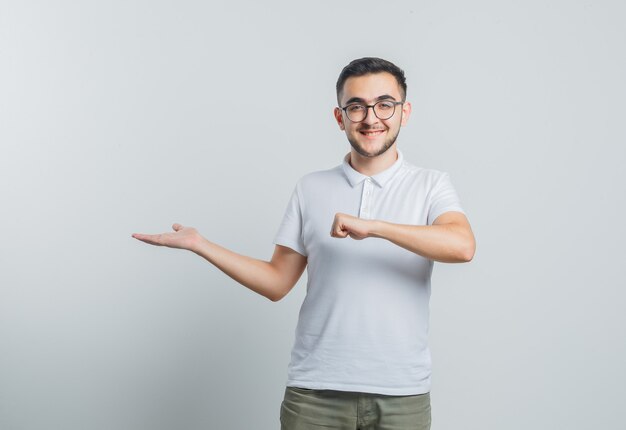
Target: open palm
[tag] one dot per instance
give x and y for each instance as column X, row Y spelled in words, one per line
column 182, row 238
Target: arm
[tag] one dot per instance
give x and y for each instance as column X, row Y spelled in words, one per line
column 272, row 279
column 449, row 239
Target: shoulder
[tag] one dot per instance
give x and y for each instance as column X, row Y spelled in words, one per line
column 428, row 177
column 320, row 178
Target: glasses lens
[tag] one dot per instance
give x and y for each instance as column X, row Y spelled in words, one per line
column 356, row 112
column 384, row 109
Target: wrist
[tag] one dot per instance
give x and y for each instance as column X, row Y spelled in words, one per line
column 197, row 244
column 376, row 228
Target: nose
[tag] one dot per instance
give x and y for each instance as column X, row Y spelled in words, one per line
column 370, row 117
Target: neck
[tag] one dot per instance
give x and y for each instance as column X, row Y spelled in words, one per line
column 369, row 166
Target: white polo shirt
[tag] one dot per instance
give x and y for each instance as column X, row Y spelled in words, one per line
column 363, row 325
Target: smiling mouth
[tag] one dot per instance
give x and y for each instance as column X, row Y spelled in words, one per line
column 372, row 133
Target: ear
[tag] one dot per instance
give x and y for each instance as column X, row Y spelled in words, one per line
column 339, row 118
column 406, row 113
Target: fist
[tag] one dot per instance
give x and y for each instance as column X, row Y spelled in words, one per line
column 346, row 225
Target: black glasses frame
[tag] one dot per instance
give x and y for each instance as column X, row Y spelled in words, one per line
column 367, row 109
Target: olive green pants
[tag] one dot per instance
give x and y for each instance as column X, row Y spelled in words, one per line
column 304, row 409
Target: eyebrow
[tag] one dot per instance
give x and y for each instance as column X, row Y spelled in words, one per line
column 379, row 98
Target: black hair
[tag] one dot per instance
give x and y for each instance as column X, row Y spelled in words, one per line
column 367, row 65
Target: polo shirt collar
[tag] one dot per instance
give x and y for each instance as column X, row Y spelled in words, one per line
column 379, row 179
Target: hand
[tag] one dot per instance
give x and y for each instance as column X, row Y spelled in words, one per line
column 347, row 225
column 183, row 238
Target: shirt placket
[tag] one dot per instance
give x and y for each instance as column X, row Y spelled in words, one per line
column 365, row 210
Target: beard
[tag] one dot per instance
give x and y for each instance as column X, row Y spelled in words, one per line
column 388, row 143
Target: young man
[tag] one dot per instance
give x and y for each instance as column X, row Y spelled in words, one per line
column 360, row 358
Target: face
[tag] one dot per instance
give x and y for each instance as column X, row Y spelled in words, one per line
column 372, row 136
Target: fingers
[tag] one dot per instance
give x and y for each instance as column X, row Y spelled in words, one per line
column 153, row 239
column 337, row 231
column 164, row 239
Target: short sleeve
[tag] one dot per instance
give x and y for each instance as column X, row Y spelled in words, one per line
column 290, row 232
column 443, row 198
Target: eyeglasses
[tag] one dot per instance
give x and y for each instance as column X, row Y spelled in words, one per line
column 384, row 109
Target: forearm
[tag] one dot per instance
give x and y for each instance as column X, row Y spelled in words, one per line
column 444, row 243
column 257, row 275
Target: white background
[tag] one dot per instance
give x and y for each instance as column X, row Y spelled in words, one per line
column 127, row 116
